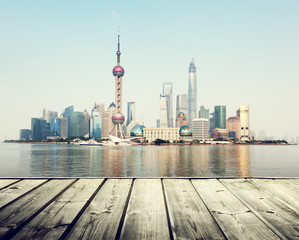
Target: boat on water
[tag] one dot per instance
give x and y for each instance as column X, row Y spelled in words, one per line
column 115, row 141
column 90, row 142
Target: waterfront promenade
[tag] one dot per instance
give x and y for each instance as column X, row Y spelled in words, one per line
column 153, row 208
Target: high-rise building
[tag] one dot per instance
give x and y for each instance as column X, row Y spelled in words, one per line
column 167, row 90
column 204, row 113
column 25, row 134
column 59, row 127
column 163, row 111
column 95, row 124
column 107, row 123
column 182, row 105
column 244, row 122
column 48, row 115
column 118, row 118
column 40, row 129
column 220, row 117
column 78, row 124
column 180, row 120
column 200, row 128
column 131, row 120
column 68, row 113
column 192, row 93
column 87, row 119
column 233, row 126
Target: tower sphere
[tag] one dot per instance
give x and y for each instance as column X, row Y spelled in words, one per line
column 118, row 118
column 118, row 71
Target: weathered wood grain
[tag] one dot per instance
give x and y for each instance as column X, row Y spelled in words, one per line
column 17, row 213
column 189, row 217
column 54, row 220
column 234, row 218
column 281, row 190
column 102, row 217
column 146, row 215
column 18, row 189
column 6, row 182
column 282, row 219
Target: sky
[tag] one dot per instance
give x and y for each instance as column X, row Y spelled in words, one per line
column 56, row 53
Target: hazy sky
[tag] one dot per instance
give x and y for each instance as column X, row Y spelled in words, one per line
column 58, row 53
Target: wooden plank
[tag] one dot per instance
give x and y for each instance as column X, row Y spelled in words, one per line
column 102, row 217
column 146, row 215
column 54, row 220
column 18, row 189
column 233, row 217
column 188, row 215
column 278, row 216
column 6, row 182
column 282, row 190
column 19, row 212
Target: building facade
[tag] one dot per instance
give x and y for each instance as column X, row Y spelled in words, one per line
column 48, row 115
column 220, row 117
column 87, row 120
column 78, row 124
column 167, row 91
column 25, row 134
column 59, row 127
column 95, row 124
column 200, row 128
column 163, row 111
column 68, row 113
column 192, row 94
column 170, row 134
column 40, row 129
column 220, row 133
column 182, row 105
column 181, row 120
column 233, row 126
column 244, row 122
column 107, row 123
column 131, row 120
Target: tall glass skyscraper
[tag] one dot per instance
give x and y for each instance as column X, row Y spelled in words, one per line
column 220, row 117
column 58, row 127
column 68, row 113
column 192, row 94
column 131, row 121
column 78, row 124
column 167, row 91
column 95, row 124
column 40, row 129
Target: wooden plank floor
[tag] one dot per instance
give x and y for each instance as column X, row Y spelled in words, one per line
column 157, row 208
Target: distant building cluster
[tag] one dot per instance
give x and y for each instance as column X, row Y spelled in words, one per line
column 186, row 124
column 202, row 124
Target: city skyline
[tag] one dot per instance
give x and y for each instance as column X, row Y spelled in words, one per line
column 245, row 56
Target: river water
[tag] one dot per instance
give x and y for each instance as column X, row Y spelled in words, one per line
column 55, row 160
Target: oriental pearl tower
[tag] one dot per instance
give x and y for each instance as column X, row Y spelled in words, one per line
column 118, row 118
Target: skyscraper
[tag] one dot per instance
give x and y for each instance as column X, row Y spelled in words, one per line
column 182, row 105
column 220, row 117
column 118, row 118
column 107, row 121
column 78, row 124
column 163, row 123
column 167, row 91
column 48, row 115
column 95, row 124
column 233, row 125
column 59, row 127
column 200, row 128
column 192, row 93
column 204, row 113
column 40, row 129
column 25, row 134
column 244, row 122
column 68, row 113
column 131, row 121
column 87, row 119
